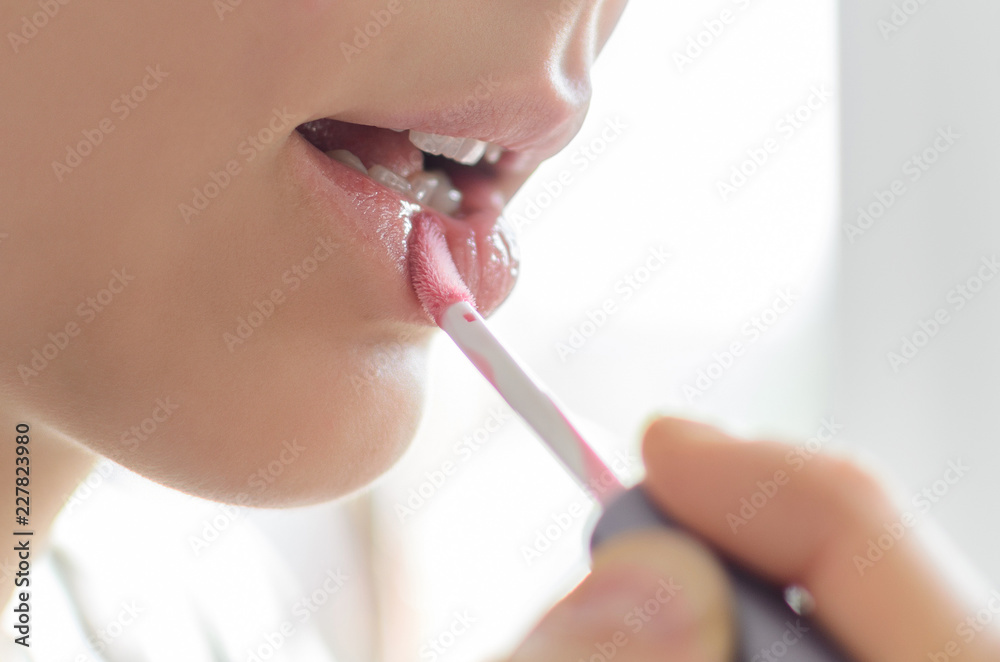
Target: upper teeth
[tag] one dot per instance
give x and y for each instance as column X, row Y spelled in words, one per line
column 493, row 153
column 467, row 151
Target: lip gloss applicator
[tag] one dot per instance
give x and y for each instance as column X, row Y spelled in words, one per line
column 762, row 611
column 449, row 302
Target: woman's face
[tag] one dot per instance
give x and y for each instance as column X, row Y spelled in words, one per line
column 192, row 287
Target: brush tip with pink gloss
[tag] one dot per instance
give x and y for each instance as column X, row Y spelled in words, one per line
column 433, row 272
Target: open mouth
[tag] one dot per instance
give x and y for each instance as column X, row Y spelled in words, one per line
column 378, row 178
column 431, row 170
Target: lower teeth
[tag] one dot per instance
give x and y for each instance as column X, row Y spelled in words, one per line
column 432, row 189
column 389, row 179
column 345, row 157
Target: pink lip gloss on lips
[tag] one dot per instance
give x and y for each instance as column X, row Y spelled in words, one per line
column 763, row 610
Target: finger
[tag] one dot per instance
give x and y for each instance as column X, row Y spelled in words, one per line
column 812, row 522
column 652, row 595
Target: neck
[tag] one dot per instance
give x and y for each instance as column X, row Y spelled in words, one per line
column 55, row 465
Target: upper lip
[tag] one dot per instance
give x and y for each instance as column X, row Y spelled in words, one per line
column 538, row 133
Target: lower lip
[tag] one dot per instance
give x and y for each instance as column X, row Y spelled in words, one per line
column 381, row 220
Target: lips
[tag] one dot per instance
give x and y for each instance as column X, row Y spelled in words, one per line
column 377, row 179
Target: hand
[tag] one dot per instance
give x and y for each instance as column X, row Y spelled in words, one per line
column 658, row 595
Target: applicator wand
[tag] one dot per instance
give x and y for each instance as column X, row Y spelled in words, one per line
column 447, row 299
column 762, row 611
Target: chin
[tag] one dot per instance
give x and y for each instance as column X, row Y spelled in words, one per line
column 303, row 432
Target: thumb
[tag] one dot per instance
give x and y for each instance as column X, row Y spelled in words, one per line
column 652, row 595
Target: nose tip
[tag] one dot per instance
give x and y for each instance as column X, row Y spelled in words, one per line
column 551, row 107
column 552, row 82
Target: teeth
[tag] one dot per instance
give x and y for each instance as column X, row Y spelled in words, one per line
column 433, row 143
column 446, row 200
column 387, row 177
column 425, row 183
column 467, row 151
column 493, row 153
column 347, row 158
column 470, row 152
column 432, row 189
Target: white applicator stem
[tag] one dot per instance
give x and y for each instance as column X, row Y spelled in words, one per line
column 525, row 396
column 446, row 299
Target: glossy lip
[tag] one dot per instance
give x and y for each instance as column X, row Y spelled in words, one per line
column 381, row 219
